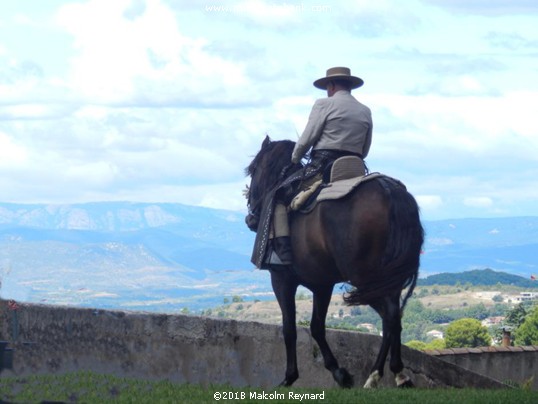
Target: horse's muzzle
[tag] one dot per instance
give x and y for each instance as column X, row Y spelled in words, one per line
column 252, row 222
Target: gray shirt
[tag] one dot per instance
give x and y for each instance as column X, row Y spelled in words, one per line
column 339, row 122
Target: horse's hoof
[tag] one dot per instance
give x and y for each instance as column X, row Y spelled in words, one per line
column 373, row 380
column 284, row 383
column 403, row 381
column 288, row 381
column 406, row 385
column 343, row 378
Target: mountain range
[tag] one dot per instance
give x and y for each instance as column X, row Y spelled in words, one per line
column 167, row 257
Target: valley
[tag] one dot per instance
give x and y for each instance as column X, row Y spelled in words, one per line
column 426, row 316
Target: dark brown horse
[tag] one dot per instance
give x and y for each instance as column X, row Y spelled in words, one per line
column 370, row 239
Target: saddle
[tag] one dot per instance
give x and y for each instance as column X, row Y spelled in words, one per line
column 345, row 174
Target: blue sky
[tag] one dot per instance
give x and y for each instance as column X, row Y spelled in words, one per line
column 167, row 101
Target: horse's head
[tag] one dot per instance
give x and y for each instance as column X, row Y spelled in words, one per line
column 266, row 171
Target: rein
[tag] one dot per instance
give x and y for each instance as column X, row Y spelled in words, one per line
column 254, row 209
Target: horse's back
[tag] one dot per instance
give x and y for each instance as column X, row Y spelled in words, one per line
column 340, row 235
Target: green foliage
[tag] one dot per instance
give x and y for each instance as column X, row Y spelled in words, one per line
column 355, row 311
column 527, row 332
column 303, row 323
column 497, row 298
column 423, row 293
column 466, row 332
column 437, row 343
column 302, row 296
column 516, row 316
column 237, row 299
column 415, row 344
column 423, row 346
column 418, row 319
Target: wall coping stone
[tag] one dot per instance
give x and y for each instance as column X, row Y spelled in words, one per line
column 480, row 350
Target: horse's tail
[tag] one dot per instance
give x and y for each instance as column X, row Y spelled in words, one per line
column 401, row 258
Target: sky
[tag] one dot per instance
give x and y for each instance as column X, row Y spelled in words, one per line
column 168, row 101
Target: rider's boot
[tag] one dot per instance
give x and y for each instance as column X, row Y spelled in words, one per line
column 281, row 241
column 282, row 247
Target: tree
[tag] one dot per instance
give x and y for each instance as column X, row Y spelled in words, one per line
column 466, row 332
column 497, row 298
column 527, row 333
column 415, row 344
column 355, row 311
column 422, row 346
column 516, row 316
column 478, row 311
column 437, row 343
column 423, row 293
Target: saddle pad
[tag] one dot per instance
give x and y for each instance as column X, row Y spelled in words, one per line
column 339, row 189
column 333, row 190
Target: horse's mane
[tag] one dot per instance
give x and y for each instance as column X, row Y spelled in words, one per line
column 280, row 152
column 269, row 163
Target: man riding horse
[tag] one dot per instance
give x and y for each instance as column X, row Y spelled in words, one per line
column 338, row 126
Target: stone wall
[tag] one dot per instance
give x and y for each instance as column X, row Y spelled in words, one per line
column 197, row 350
column 511, row 364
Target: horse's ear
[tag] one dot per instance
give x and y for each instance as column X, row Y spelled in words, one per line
column 266, row 141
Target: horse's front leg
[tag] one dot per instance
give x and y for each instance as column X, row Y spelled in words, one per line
column 285, row 286
column 322, row 298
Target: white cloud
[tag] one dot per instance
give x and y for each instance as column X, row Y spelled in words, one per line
column 429, row 202
column 269, row 13
column 478, row 202
column 445, row 128
column 488, row 7
column 12, row 155
column 164, row 100
column 145, row 58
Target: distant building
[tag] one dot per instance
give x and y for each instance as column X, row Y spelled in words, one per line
column 525, row 296
column 497, row 320
column 435, row 334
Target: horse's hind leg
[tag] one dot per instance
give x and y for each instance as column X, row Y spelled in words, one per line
column 322, row 298
column 396, row 364
column 284, row 287
column 389, row 310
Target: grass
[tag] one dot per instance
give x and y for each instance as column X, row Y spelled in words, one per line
column 87, row 387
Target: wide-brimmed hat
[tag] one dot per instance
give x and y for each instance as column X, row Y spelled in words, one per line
column 338, row 73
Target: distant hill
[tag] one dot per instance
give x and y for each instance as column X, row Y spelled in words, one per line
column 478, row 277
column 166, row 256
